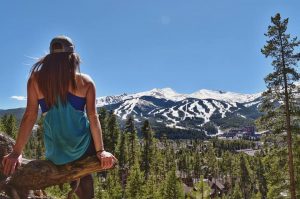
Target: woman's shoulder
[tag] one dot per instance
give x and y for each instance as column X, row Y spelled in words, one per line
column 84, row 77
column 84, row 81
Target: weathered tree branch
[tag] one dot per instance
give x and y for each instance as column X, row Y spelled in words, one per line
column 39, row 174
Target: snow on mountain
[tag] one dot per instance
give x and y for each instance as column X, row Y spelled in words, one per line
column 165, row 93
column 230, row 97
column 170, row 94
column 106, row 100
column 167, row 108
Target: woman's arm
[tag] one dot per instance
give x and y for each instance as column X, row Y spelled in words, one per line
column 106, row 159
column 93, row 117
column 11, row 161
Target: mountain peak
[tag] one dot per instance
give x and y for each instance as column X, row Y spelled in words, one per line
column 167, row 93
column 166, row 90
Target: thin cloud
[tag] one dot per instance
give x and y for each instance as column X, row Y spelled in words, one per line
column 30, row 57
column 19, row 98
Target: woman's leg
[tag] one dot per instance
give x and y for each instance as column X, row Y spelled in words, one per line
column 85, row 189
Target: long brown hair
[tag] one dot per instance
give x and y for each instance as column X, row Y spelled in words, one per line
column 54, row 73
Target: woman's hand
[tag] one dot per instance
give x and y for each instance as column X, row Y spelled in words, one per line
column 106, row 159
column 11, row 162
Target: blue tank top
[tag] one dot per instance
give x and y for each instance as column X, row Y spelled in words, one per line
column 67, row 132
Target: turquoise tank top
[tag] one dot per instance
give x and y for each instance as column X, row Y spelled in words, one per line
column 67, row 133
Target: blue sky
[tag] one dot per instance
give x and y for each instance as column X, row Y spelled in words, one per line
column 133, row 46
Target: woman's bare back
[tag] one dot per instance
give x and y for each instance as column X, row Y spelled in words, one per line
column 83, row 82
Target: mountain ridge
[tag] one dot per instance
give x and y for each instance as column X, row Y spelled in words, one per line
column 166, row 108
column 170, row 94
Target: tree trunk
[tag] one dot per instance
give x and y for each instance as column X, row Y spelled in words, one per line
column 288, row 126
column 39, row 174
column 289, row 142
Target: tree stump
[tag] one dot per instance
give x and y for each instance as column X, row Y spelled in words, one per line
column 39, row 174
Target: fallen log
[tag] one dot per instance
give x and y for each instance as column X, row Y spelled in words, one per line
column 40, row 174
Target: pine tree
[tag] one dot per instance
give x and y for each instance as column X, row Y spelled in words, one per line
column 121, row 152
column 173, row 187
column 198, row 165
column 201, row 187
column 158, row 165
column 134, row 183
column 151, row 188
column 102, row 113
column 113, row 186
column 262, row 181
column 170, row 158
column 3, row 123
column 297, row 165
column 211, row 162
column 35, row 147
column 103, row 117
column 40, row 147
column 122, row 156
column 132, row 140
column 280, row 83
column 163, row 139
column 100, row 192
column 8, row 125
column 277, row 176
column 113, row 133
column 147, row 155
column 245, row 183
column 237, row 194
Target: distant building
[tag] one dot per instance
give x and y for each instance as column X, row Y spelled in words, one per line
column 230, row 134
column 252, row 136
column 236, row 131
column 266, row 132
column 247, row 132
column 249, row 152
column 188, row 181
column 188, row 186
column 217, row 187
column 249, row 129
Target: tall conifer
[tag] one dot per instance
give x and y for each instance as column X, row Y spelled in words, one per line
column 147, row 155
column 132, row 140
column 280, row 47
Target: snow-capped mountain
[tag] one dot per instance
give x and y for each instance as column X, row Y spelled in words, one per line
column 167, row 108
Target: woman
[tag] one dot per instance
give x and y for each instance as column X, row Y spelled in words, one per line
column 63, row 94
